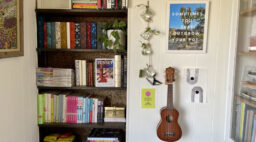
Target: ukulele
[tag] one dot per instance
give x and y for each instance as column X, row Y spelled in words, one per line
column 168, row 128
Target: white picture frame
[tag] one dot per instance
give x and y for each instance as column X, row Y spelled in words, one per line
column 191, row 29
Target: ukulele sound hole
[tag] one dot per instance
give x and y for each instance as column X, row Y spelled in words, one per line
column 169, row 118
column 169, row 134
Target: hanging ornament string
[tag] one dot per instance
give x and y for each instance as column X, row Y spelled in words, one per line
column 148, row 71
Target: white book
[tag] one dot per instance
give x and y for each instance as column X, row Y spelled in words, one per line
column 124, row 3
column 68, row 35
column 117, row 70
column 64, row 120
column 77, row 70
column 108, row 4
column 84, row 72
column 80, row 72
column 58, row 35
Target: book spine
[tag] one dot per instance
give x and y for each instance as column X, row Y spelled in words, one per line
column 49, row 36
column 77, row 36
column 120, row 4
column 52, row 108
column 68, row 35
column 40, row 32
column 96, row 110
column 64, row 115
column 99, row 4
column 46, row 108
column 57, row 108
column 90, row 110
column 99, row 34
column 123, row 3
column 88, row 35
column 60, row 108
column 113, row 4
column 90, row 72
column 45, row 34
column 58, row 35
column 117, row 70
column 79, row 110
column 77, row 70
column 63, row 32
column 53, row 35
column 84, row 111
column 83, row 35
column 241, row 121
column 40, row 108
column 108, row 4
column 72, row 35
column 104, row 4
column 84, row 72
column 125, row 72
column 93, row 35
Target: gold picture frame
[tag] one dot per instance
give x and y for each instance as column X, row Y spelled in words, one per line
column 11, row 28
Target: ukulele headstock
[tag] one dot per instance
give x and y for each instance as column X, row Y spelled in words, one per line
column 169, row 75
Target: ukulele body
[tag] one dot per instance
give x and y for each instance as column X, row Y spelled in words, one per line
column 168, row 128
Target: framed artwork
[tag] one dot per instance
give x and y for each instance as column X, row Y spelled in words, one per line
column 187, row 26
column 11, row 28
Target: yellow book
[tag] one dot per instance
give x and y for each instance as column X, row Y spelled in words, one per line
column 86, row 6
column 241, row 121
column 63, row 34
column 52, row 108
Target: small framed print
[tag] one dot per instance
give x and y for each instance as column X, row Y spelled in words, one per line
column 187, row 26
column 11, row 28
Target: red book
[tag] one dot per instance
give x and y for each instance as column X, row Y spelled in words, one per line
column 83, row 35
column 71, row 113
column 72, row 35
column 104, row 4
column 116, row 4
column 99, row 4
column 88, row 35
column 45, row 35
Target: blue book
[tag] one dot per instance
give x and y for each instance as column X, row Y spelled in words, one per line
column 84, row 106
column 93, row 35
column 40, row 32
column 53, row 32
column 49, row 35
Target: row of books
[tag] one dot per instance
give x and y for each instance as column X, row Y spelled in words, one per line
column 54, row 107
column 69, row 35
column 106, row 135
column 245, row 123
column 100, row 4
column 55, row 77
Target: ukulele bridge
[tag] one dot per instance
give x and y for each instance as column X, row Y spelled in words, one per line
column 169, row 134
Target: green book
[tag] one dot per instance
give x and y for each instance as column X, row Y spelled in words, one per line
column 40, row 108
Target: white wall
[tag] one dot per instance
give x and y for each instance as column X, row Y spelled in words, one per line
column 18, row 119
column 199, row 122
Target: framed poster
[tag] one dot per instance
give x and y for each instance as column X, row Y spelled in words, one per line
column 11, row 28
column 187, row 26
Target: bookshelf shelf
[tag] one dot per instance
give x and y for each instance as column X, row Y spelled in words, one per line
column 120, row 125
column 249, row 85
column 84, row 12
column 246, row 53
column 248, row 12
column 246, row 101
column 82, row 50
column 81, row 88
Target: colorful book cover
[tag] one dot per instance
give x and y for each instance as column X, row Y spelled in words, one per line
column 104, row 72
column 40, row 108
column 49, row 35
column 72, row 35
column 83, row 35
column 58, row 35
column 88, row 35
column 53, row 33
column 63, row 34
column 93, row 35
column 77, row 36
column 40, row 32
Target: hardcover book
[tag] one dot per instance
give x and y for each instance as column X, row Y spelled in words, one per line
column 93, row 35
column 53, row 35
column 49, row 35
column 63, row 33
column 77, row 36
column 83, row 35
column 40, row 32
column 88, row 35
column 72, row 35
column 104, row 72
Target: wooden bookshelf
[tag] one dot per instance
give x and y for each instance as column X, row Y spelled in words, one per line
column 120, row 125
column 246, row 101
column 81, row 88
column 248, row 12
column 246, row 53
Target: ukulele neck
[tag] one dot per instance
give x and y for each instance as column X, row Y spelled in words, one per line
column 170, row 97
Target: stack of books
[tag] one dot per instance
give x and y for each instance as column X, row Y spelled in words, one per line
column 106, row 135
column 100, row 4
column 55, row 77
column 54, row 107
column 69, row 35
column 66, row 137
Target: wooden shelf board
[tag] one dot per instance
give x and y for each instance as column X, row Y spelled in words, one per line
column 84, row 12
column 246, row 101
column 246, row 53
column 85, row 125
column 249, row 85
column 248, row 12
column 80, row 88
column 81, row 50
